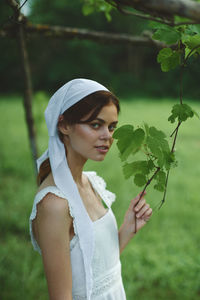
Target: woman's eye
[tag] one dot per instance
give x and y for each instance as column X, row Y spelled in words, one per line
column 95, row 125
column 112, row 127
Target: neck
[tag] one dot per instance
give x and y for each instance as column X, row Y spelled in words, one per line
column 76, row 164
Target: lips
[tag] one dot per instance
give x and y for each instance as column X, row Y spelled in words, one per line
column 103, row 147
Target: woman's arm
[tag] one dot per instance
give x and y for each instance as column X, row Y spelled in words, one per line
column 53, row 227
column 127, row 230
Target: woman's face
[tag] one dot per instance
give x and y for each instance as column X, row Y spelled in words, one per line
column 92, row 140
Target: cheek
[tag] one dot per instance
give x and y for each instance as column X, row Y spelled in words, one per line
column 85, row 133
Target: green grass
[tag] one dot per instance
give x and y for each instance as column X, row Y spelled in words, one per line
column 161, row 262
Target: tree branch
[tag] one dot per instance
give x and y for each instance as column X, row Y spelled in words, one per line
column 49, row 31
column 167, row 9
column 14, row 5
column 159, row 20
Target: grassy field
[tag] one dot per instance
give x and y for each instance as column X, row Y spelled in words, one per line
column 162, row 262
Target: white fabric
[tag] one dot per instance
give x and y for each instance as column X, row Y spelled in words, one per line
column 65, row 97
column 106, row 266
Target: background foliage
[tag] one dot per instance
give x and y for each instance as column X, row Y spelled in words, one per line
column 123, row 68
column 162, row 262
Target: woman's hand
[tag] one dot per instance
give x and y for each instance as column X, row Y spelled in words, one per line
column 138, row 211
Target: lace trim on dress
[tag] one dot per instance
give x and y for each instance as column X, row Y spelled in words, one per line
column 102, row 285
column 39, row 196
column 99, row 186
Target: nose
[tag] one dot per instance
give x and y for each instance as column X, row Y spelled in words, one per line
column 106, row 134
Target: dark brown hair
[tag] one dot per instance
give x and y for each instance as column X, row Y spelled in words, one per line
column 73, row 115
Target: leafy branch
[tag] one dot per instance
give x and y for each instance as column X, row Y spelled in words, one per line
column 150, row 141
column 182, row 40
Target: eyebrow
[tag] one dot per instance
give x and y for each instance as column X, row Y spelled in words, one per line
column 103, row 122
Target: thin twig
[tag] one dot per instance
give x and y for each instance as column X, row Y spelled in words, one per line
column 143, row 191
column 179, row 123
column 174, row 141
column 23, row 4
column 165, row 190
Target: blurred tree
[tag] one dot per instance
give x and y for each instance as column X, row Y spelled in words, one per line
column 50, row 72
column 125, row 68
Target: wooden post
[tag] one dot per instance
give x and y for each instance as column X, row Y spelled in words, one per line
column 27, row 94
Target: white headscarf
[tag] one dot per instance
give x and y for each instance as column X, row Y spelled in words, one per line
column 65, row 97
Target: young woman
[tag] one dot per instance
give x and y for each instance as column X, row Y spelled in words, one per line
column 72, row 224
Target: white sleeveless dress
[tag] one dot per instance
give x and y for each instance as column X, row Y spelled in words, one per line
column 106, row 266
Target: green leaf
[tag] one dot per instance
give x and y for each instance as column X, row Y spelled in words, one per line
column 168, row 35
column 132, row 143
column 157, row 138
column 87, row 9
column 168, row 59
column 159, row 187
column 158, row 145
column 161, row 177
column 91, row 6
column 108, row 16
column 140, row 179
column 193, row 28
column 130, row 169
column 196, row 114
column 164, row 54
column 156, row 25
column 156, row 133
column 150, row 165
column 181, row 112
column 169, row 160
column 160, row 181
column 124, row 135
column 155, row 148
column 146, row 127
column 191, row 42
column 123, row 130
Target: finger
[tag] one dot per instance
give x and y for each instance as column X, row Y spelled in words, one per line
column 139, row 205
column 147, row 215
column 136, row 200
column 142, row 211
column 139, row 197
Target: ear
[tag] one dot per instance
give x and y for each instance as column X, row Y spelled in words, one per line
column 62, row 126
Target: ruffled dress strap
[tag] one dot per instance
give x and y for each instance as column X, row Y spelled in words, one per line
column 38, row 197
column 99, row 186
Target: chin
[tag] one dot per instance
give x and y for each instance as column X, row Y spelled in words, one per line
column 100, row 158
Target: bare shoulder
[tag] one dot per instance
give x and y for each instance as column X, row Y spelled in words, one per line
column 53, row 221
column 52, row 216
column 52, row 204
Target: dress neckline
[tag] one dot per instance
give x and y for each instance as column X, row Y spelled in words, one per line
column 94, row 190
